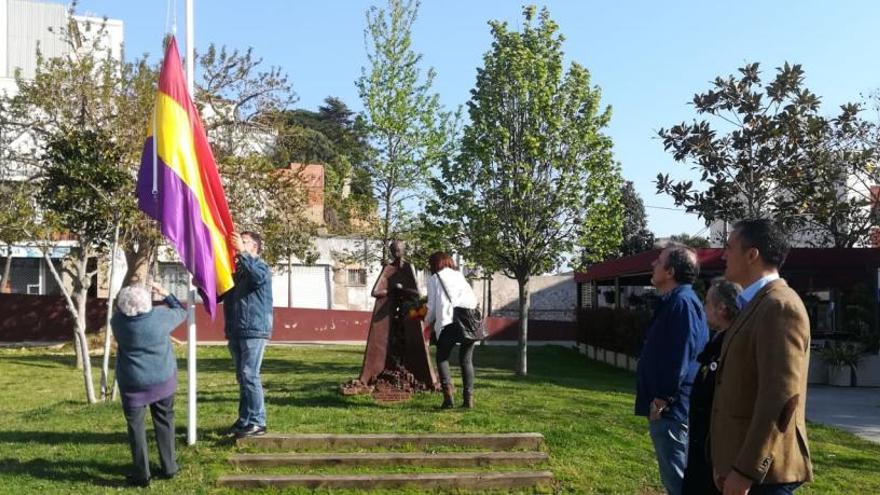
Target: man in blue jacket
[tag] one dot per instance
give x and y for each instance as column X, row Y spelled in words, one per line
column 668, row 362
column 248, row 312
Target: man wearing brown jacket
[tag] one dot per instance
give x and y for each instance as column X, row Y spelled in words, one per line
column 758, row 433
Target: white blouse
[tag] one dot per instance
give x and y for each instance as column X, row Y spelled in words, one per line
column 439, row 306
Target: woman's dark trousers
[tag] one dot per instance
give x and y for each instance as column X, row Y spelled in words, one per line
column 162, row 412
column 450, row 336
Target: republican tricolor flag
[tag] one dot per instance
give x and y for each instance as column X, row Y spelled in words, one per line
column 184, row 194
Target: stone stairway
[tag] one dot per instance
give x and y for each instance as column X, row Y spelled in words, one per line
column 485, row 452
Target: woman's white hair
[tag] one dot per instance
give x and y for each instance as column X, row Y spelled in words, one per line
column 134, row 300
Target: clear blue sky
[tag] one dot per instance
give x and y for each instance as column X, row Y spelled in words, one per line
column 648, row 57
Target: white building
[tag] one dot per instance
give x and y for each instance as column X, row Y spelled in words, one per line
column 859, row 188
column 26, row 25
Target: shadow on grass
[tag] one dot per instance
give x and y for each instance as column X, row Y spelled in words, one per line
column 96, row 473
column 294, row 397
column 550, row 364
column 325, row 400
column 60, row 437
column 44, row 360
column 556, row 365
column 275, row 365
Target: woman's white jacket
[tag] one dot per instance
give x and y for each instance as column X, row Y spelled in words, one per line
column 440, row 307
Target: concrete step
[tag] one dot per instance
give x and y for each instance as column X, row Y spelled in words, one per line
column 493, row 441
column 449, row 459
column 467, row 481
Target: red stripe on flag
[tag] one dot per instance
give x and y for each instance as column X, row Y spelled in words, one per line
column 172, row 83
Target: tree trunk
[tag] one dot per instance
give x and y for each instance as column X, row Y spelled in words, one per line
column 386, row 229
column 108, row 332
column 138, row 267
column 78, row 311
column 138, row 259
column 289, row 281
column 77, row 349
column 79, row 295
column 7, row 267
column 87, row 365
column 524, row 302
column 82, row 300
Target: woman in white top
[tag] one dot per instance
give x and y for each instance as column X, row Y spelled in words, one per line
column 448, row 289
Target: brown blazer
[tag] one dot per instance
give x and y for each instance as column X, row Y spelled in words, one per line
column 758, row 425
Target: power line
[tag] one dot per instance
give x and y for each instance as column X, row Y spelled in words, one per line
column 681, row 210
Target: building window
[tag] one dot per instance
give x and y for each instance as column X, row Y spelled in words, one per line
column 357, row 277
column 586, row 295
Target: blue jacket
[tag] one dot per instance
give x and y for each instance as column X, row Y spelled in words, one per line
column 668, row 362
column 145, row 354
column 247, row 307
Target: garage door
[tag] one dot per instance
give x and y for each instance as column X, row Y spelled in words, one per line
column 311, row 286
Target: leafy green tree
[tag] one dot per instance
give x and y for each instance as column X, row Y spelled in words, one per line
column 838, row 187
column 747, row 168
column 243, row 106
column 635, row 235
column 690, row 240
column 406, row 125
column 772, row 154
column 287, row 231
column 335, row 137
column 17, row 220
column 273, row 202
column 536, row 178
column 17, row 217
column 83, row 174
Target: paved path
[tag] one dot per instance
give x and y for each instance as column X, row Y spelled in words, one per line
column 853, row 409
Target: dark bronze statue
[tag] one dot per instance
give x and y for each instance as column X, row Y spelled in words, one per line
column 396, row 358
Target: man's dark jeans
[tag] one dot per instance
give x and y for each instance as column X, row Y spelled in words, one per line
column 775, row 489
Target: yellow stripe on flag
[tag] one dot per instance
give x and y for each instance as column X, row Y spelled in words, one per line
column 175, row 147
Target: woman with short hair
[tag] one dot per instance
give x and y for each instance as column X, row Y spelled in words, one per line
column 721, row 310
column 448, row 289
column 146, row 370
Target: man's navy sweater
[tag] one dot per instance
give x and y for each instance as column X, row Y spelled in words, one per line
column 668, row 362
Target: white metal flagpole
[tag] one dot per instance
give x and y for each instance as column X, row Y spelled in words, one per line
column 191, row 307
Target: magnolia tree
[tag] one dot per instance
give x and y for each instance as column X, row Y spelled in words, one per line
column 765, row 150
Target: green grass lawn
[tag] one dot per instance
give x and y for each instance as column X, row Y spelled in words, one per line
column 52, row 442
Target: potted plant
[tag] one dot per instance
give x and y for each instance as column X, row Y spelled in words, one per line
column 842, row 358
